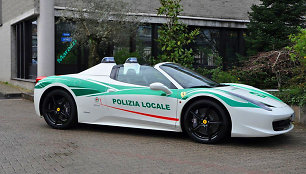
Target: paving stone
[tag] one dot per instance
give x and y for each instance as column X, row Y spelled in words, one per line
column 29, row 145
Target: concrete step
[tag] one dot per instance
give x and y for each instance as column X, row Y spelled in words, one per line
column 9, row 91
column 12, row 95
column 28, row 96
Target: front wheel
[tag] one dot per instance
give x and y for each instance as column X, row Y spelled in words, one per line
column 205, row 121
column 59, row 109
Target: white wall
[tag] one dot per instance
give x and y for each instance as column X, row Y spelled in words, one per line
column 5, row 52
column 12, row 11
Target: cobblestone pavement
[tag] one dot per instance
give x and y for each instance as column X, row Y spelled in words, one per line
column 28, row 145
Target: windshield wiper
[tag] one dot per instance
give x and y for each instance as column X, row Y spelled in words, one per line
column 201, row 86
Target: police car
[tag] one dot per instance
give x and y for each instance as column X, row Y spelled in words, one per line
column 165, row 97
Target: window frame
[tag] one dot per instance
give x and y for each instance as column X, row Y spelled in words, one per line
column 115, row 71
column 189, row 73
column 1, row 22
column 23, row 52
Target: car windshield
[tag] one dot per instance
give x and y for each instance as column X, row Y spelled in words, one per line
column 186, row 77
column 134, row 73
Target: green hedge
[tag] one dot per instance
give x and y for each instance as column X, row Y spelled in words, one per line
column 293, row 96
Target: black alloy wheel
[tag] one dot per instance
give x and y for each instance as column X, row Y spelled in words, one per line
column 59, row 109
column 205, row 121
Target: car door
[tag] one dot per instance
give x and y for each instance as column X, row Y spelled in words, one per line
column 132, row 103
column 90, row 89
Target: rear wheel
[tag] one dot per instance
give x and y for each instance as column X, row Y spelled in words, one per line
column 59, row 109
column 205, row 121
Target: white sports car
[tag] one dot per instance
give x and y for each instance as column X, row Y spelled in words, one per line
column 165, row 97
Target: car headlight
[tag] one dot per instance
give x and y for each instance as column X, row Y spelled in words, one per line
column 292, row 117
column 257, row 103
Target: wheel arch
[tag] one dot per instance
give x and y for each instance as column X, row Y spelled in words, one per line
column 204, row 98
column 52, row 88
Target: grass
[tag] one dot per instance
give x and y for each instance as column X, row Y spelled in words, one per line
column 16, row 87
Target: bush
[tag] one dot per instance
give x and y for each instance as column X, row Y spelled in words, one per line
column 293, row 96
column 123, row 54
column 299, row 46
column 271, row 69
column 218, row 75
column 260, row 79
column 298, row 55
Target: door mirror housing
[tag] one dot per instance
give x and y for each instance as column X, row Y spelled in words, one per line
column 160, row 87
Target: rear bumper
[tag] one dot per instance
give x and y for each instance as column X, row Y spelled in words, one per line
column 37, row 97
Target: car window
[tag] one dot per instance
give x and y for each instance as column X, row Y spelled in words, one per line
column 142, row 75
column 186, row 77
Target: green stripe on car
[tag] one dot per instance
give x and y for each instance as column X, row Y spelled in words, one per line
column 256, row 91
column 92, row 88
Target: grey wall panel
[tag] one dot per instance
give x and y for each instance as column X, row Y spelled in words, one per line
column 224, row 9
column 1, row 13
column 14, row 8
column 5, row 50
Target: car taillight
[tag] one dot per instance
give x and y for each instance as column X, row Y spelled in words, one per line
column 40, row 78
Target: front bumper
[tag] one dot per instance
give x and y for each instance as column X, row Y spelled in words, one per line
column 257, row 122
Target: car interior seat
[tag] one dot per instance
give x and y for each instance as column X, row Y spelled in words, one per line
column 133, row 78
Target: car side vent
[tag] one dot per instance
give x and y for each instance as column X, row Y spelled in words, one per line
column 267, row 105
column 281, row 125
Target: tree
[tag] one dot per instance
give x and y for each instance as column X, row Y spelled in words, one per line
column 298, row 54
column 174, row 37
column 287, row 66
column 99, row 22
column 272, row 22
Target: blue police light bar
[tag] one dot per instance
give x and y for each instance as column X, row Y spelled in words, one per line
column 131, row 60
column 108, row 60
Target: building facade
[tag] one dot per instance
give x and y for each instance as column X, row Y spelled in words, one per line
column 34, row 42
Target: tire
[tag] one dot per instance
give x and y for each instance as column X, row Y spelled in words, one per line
column 205, row 121
column 59, row 109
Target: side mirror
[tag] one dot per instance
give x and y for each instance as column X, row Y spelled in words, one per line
column 160, row 87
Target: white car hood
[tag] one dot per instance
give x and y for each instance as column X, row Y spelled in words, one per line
column 253, row 94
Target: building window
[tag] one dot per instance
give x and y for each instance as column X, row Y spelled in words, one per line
column 206, row 51
column 70, row 56
column 26, row 49
column 218, row 46
column 144, row 42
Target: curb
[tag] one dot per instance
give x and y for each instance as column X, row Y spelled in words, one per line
column 26, row 96
column 12, row 95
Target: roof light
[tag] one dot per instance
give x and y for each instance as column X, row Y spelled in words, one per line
column 131, row 60
column 108, row 60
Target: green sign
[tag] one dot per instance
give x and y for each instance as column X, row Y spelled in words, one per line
column 141, row 104
column 62, row 57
